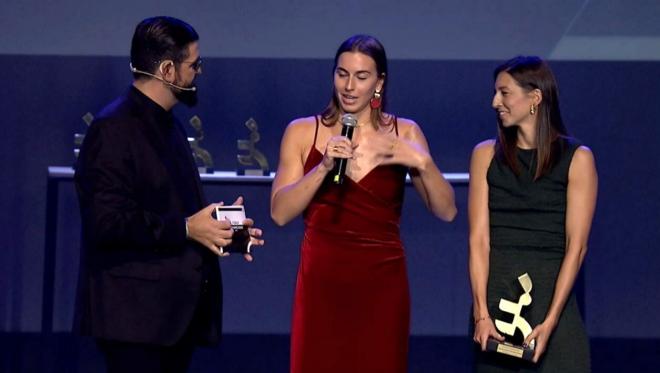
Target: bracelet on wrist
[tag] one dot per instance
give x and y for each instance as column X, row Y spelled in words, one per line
column 476, row 321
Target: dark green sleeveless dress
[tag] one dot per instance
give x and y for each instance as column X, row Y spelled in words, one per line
column 527, row 235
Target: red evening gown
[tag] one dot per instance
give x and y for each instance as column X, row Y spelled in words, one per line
column 352, row 305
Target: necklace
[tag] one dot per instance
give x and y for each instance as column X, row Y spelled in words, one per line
column 358, row 125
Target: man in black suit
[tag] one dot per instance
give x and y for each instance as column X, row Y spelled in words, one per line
column 150, row 287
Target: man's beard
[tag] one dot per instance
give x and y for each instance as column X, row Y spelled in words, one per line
column 188, row 98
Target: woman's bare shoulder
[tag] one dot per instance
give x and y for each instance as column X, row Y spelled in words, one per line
column 407, row 128
column 303, row 123
column 487, row 145
column 405, row 123
column 301, row 126
column 484, row 150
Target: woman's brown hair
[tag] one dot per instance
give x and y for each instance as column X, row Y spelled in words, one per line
column 371, row 47
column 530, row 73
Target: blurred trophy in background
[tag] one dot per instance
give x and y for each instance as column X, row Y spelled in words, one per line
column 79, row 137
column 253, row 163
column 202, row 157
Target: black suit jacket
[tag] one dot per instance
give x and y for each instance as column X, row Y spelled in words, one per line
column 141, row 279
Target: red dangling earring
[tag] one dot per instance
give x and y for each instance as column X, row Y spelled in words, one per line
column 376, row 101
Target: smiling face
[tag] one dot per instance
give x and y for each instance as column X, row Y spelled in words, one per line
column 512, row 102
column 356, row 79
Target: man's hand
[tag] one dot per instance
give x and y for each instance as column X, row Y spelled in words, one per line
column 206, row 230
column 255, row 233
column 214, row 234
column 255, row 236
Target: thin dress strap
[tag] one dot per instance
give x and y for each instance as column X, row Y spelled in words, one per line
column 316, row 130
column 396, row 126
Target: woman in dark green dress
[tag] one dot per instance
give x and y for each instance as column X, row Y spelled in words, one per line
column 531, row 202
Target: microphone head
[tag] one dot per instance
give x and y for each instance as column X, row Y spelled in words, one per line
column 349, row 120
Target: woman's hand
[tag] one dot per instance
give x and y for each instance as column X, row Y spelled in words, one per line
column 337, row 147
column 541, row 334
column 484, row 329
column 397, row 150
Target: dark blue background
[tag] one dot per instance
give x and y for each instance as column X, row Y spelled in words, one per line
column 271, row 61
column 611, row 106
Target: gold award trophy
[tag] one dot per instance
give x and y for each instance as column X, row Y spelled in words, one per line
column 518, row 323
column 254, row 156
column 202, row 157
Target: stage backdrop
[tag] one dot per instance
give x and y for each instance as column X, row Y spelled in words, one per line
column 273, row 63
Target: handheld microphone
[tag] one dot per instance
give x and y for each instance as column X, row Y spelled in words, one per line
column 348, row 122
column 133, row 69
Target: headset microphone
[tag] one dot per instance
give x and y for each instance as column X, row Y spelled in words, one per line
column 133, row 69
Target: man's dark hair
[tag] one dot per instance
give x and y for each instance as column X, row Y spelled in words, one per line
column 160, row 38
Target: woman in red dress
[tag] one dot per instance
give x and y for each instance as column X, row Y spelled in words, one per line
column 352, row 305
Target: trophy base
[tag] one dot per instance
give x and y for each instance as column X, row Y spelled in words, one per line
column 252, row 172
column 205, row 170
column 509, row 349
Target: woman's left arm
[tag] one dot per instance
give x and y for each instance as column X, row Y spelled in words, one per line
column 412, row 150
column 580, row 205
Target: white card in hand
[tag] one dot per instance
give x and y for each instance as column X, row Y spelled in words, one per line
column 235, row 214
